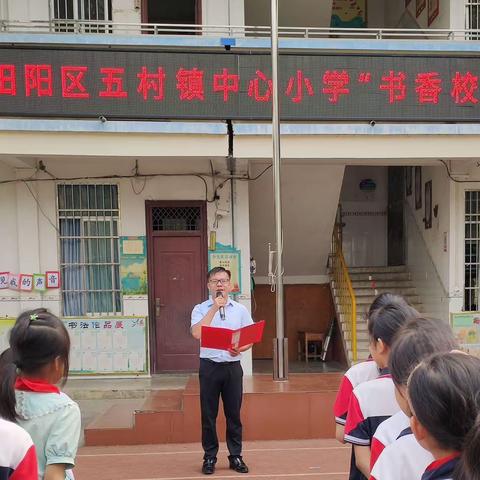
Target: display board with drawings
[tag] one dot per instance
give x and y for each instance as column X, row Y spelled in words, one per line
column 108, row 346
column 466, row 328
column 101, row 346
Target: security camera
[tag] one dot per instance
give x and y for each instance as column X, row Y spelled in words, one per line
column 102, row 118
column 372, row 123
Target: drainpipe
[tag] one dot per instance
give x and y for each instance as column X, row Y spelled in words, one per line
column 231, row 167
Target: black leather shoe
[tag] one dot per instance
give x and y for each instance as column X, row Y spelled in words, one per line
column 237, row 464
column 208, row 466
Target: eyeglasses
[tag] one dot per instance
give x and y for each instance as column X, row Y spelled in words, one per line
column 222, row 281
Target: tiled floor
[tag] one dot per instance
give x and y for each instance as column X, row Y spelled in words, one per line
column 267, row 460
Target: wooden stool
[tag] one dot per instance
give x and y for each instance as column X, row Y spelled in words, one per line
column 303, row 339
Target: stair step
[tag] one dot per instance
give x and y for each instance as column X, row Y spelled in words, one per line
column 118, row 416
column 361, row 357
column 396, row 269
column 382, row 284
column 404, row 291
column 163, row 401
column 380, row 276
column 361, row 336
column 368, row 299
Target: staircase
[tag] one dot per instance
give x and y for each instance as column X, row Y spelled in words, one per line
column 367, row 283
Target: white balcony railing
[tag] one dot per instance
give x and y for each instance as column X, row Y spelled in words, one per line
column 101, row 27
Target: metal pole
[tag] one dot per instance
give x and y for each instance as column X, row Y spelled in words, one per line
column 280, row 362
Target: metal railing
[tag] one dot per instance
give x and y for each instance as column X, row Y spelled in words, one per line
column 343, row 286
column 58, row 25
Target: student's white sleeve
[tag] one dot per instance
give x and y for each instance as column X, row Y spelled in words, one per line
column 62, row 443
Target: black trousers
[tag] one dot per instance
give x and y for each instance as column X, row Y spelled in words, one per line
column 223, row 379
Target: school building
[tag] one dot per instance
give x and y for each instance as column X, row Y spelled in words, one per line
column 136, row 152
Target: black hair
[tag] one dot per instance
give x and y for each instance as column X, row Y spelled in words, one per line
column 37, row 338
column 416, row 340
column 386, row 321
column 444, row 393
column 383, row 299
column 216, row 270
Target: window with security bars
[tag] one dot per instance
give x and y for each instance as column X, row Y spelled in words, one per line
column 176, row 218
column 88, row 218
column 472, row 20
column 88, row 10
column 472, row 244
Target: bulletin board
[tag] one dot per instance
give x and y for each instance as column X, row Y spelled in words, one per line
column 133, row 265
column 229, row 258
column 101, row 346
column 108, row 346
column 5, row 325
column 466, row 327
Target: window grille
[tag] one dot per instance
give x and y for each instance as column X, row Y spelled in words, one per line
column 176, row 219
column 472, row 19
column 94, row 10
column 88, row 218
column 472, row 243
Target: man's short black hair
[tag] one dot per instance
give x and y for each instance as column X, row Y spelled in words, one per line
column 216, row 270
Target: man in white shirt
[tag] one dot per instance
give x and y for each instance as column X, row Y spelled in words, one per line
column 220, row 371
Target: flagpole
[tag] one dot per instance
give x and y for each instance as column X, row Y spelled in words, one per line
column 280, row 358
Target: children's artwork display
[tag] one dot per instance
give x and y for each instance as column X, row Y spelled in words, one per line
column 466, row 327
column 349, row 14
column 108, row 346
column 101, row 346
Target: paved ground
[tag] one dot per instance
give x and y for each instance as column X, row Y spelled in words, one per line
column 289, row 460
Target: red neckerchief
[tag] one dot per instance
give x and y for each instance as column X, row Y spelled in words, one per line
column 32, row 385
column 442, row 461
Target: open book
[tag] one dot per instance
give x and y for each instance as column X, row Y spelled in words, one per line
column 224, row 338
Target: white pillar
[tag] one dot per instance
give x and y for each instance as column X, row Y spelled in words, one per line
column 242, row 242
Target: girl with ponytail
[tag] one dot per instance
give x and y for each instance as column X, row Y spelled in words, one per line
column 30, row 370
column 444, row 399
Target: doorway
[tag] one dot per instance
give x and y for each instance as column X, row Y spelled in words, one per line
column 177, row 265
column 180, row 12
column 372, row 201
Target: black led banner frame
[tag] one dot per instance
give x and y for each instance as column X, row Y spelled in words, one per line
column 225, row 85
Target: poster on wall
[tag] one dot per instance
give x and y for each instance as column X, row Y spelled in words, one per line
column 433, row 10
column 418, row 188
column 229, row 258
column 133, row 265
column 349, row 14
column 466, row 328
column 420, row 7
column 108, row 346
column 428, row 204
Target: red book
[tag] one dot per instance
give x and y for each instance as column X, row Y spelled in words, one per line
column 224, row 338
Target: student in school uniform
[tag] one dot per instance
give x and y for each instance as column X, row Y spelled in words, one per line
column 360, row 372
column 396, row 455
column 18, row 460
column 444, row 399
column 374, row 401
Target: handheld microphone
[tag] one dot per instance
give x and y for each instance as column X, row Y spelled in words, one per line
column 221, row 310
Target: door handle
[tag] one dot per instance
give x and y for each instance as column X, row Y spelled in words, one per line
column 158, row 305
